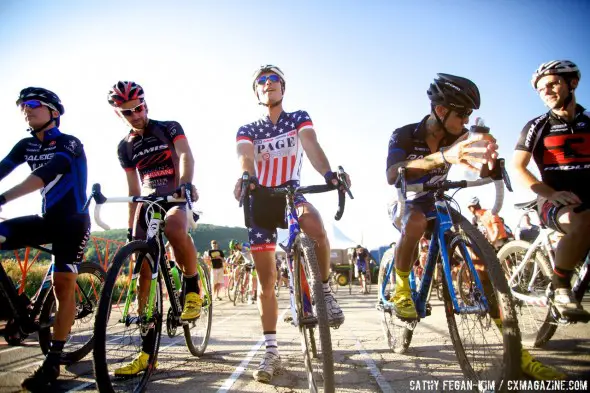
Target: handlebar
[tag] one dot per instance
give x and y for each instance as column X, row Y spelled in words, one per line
column 100, row 200
column 499, row 177
column 282, row 191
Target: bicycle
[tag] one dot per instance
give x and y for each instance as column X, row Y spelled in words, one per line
column 529, row 269
column 333, row 282
column 36, row 315
column 308, row 308
column 454, row 236
column 120, row 323
column 242, row 282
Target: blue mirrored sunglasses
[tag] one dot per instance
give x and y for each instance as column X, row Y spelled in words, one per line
column 272, row 77
column 33, row 104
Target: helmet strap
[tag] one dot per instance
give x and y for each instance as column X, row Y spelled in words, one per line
column 271, row 105
column 443, row 121
column 35, row 131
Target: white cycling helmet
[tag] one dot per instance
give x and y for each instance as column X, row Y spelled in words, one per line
column 268, row 68
column 473, row 201
column 556, row 67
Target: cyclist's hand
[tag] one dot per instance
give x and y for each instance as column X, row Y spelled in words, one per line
column 238, row 186
column 129, row 235
column 564, row 198
column 331, row 179
column 463, row 153
column 180, row 192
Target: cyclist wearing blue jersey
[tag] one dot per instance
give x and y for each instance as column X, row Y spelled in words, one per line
column 58, row 165
column 156, row 158
column 427, row 150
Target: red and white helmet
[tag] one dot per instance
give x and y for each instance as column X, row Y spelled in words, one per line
column 124, row 91
column 268, row 68
column 565, row 68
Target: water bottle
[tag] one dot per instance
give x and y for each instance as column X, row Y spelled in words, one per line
column 474, row 134
column 175, row 275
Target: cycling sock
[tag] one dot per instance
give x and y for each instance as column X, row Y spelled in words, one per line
column 148, row 341
column 402, row 282
column 561, row 278
column 54, row 355
column 192, row 283
column 326, row 286
column 270, row 339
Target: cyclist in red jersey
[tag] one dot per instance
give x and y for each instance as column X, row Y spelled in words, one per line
column 158, row 154
column 559, row 143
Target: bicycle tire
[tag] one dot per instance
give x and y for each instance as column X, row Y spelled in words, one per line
column 535, row 330
column 238, row 287
column 231, row 288
column 86, row 305
column 508, row 364
column 207, row 309
column 305, row 251
column 101, row 364
column 368, row 283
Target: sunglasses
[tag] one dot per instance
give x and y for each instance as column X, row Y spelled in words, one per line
column 464, row 113
column 34, row 104
column 129, row 112
column 272, row 77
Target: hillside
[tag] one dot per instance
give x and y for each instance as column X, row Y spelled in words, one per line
column 202, row 237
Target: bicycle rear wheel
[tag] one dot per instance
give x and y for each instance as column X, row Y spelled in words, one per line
column 487, row 343
column 305, row 262
column 197, row 332
column 231, row 294
column 89, row 283
column 535, row 319
column 119, row 336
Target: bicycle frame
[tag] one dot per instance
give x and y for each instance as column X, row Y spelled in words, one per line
column 20, row 312
column 443, row 225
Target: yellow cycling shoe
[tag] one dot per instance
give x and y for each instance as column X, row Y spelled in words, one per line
column 192, row 306
column 537, row 370
column 403, row 305
column 137, row 365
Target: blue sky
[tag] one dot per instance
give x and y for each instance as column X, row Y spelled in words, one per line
column 361, row 70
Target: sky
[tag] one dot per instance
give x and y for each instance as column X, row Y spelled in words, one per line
column 359, row 68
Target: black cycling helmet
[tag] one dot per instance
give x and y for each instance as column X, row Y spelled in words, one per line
column 454, row 92
column 47, row 97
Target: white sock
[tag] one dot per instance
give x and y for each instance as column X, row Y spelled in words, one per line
column 270, row 340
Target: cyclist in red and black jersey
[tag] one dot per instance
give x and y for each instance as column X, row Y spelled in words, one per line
column 559, row 142
column 158, row 154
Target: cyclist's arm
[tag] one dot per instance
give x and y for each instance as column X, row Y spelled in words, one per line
column 520, row 161
column 12, row 160
column 246, row 157
column 134, row 190
column 186, row 162
column 314, row 151
column 30, row 184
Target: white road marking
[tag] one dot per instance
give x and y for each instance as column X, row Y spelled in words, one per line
column 383, row 384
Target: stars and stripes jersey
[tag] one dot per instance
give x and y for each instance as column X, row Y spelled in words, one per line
column 409, row 143
column 59, row 160
column 278, row 154
column 561, row 150
column 153, row 155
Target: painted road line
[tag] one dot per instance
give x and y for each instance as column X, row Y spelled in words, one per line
column 244, row 363
column 383, row 384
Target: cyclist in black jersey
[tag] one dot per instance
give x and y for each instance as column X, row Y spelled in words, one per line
column 427, row 149
column 58, row 165
column 156, row 153
column 559, row 143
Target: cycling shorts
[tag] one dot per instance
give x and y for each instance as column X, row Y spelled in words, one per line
column 67, row 235
column 140, row 224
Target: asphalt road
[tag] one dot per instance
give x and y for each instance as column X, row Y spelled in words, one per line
column 363, row 361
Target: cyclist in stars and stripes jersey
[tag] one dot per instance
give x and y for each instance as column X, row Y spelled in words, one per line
column 271, row 150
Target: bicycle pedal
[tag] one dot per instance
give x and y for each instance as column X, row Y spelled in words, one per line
column 428, row 309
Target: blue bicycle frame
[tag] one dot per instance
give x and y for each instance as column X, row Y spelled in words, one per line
column 443, row 224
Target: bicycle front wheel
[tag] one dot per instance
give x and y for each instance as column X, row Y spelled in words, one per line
column 123, row 328
column 197, row 332
column 306, row 265
column 89, row 283
column 529, row 287
column 486, row 341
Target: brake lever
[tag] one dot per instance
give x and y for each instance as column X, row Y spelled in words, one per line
column 505, row 176
column 342, row 179
column 400, row 182
column 245, row 185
